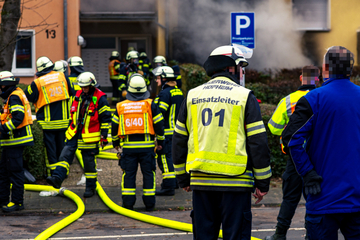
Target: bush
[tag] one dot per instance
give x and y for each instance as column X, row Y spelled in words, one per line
column 192, row 76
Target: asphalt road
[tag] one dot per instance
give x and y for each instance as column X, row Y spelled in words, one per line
column 109, row 225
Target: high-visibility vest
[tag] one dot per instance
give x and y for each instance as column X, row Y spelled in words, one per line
column 285, row 108
column 6, row 115
column 112, row 72
column 52, row 87
column 75, row 83
column 135, row 117
column 91, row 126
column 217, row 137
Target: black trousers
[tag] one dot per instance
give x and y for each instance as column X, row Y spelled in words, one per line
column 54, row 143
column 166, row 166
column 115, row 90
column 67, row 155
column 292, row 190
column 12, row 171
column 232, row 210
column 129, row 164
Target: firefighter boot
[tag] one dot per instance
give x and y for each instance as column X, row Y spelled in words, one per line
column 90, row 187
column 165, row 192
column 11, row 207
column 54, row 181
column 280, row 233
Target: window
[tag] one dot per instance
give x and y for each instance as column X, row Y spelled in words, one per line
column 310, row 15
column 24, row 54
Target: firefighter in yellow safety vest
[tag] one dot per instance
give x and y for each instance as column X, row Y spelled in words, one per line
column 220, row 149
column 292, row 181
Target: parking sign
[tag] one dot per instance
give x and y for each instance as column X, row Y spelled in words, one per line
column 243, row 29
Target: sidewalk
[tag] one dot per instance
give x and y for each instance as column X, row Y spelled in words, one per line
column 109, row 176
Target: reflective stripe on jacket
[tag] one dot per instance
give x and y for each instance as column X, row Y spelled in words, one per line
column 219, row 117
column 21, row 134
column 52, row 87
column 91, row 127
column 112, row 69
column 135, row 117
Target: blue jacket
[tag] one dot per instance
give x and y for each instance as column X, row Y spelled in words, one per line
column 328, row 119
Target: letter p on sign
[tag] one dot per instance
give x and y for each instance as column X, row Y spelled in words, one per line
column 239, row 25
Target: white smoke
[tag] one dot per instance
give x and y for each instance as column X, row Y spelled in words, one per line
column 277, row 43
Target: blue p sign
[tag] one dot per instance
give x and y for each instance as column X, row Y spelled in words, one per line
column 243, row 29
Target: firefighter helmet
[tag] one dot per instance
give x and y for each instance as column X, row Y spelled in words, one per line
column 143, row 55
column 75, row 61
column 7, row 79
column 115, row 54
column 86, row 79
column 131, row 55
column 60, row 66
column 43, row 63
column 160, row 59
column 164, row 72
column 137, row 89
column 222, row 57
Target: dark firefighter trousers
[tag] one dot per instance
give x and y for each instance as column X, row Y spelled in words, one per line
column 54, row 143
column 292, row 189
column 129, row 164
column 115, row 91
column 165, row 163
column 12, row 171
column 88, row 155
column 232, row 210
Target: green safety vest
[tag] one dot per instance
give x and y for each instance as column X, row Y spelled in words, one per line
column 215, row 122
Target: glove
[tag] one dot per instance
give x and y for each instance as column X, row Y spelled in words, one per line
column 103, row 142
column 312, row 183
column 160, row 143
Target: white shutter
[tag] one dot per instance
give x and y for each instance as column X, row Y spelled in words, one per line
column 311, row 15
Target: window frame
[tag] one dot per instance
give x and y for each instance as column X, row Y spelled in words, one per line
column 25, row 72
column 328, row 20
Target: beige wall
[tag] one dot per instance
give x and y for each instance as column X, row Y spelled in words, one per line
column 51, row 17
column 345, row 20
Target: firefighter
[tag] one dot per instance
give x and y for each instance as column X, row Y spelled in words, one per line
column 50, row 93
column 220, row 149
column 145, row 66
column 169, row 101
column 134, row 125
column 15, row 135
column 61, row 66
column 114, row 70
column 76, row 68
column 89, row 126
column 161, row 61
column 292, row 181
column 131, row 67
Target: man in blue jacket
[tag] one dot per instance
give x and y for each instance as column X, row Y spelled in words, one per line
column 328, row 119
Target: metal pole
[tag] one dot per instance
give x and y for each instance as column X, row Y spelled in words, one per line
column 65, row 32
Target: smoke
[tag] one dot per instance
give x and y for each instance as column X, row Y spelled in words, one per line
column 277, row 44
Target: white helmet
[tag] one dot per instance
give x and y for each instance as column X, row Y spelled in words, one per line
column 7, row 79
column 137, row 84
column 115, row 54
column 160, row 59
column 164, row 72
column 222, row 57
column 131, row 55
column 42, row 63
column 75, row 61
column 86, row 79
column 60, row 66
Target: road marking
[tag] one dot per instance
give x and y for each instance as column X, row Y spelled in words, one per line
column 157, row 234
column 273, row 230
column 124, row 236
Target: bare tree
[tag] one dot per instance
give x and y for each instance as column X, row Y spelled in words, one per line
column 10, row 16
column 11, row 20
